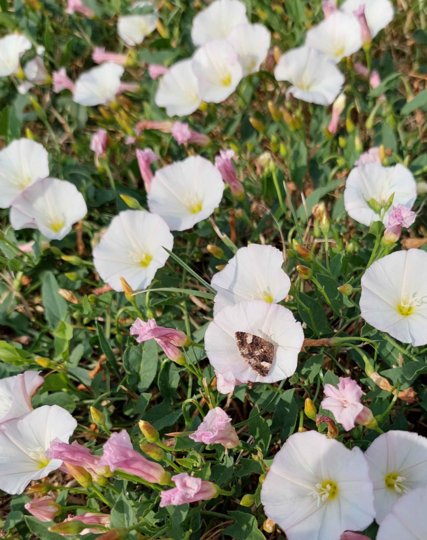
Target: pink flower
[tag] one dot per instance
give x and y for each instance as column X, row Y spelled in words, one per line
column 127, row 87
column 77, row 6
column 188, row 489
column 91, row 519
column 119, row 454
column 359, row 13
column 130, row 140
column 348, row 535
column 61, row 81
column 329, row 7
column 44, row 509
column 164, row 126
column 145, row 159
column 155, row 71
column 76, row 455
column 375, row 79
column 399, row 217
column 344, row 401
column 168, row 339
column 216, row 428
column 361, row 69
column 98, row 142
column 225, row 382
column 26, row 248
column 100, row 55
column 183, row 134
column 224, row 164
column 371, row 156
column 337, row 108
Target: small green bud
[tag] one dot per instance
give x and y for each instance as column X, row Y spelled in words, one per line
column 247, row 500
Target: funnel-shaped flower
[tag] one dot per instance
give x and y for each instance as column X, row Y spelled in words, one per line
column 217, row 21
column 89, row 518
column 99, row 85
column 224, row 163
column 337, row 108
column 132, row 248
column 216, row 428
column 394, row 296
column 365, row 33
column 77, row 6
column 251, row 42
column 379, row 13
column 188, row 489
column 52, row 206
column 15, row 394
column 145, row 158
column 98, row 142
column 134, row 28
column 156, row 70
column 344, row 402
column 36, row 72
column 182, row 133
column 61, row 81
column 100, row 55
column 12, row 47
column 186, row 192
column 76, row 455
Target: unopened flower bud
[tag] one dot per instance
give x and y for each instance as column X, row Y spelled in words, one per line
column 367, row 419
column 81, row 475
column 390, row 237
column 131, row 202
column 257, row 124
column 127, row 289
column 43, row 487
column 375, row 205
column 149, row 432
column 153, row 451
column 98, row 417
column 349, row 124
column 310, row 409
column 114, row 534
column 268, row 525
column 68, row 527
column 276, row 115
column 286, row 115
column 292, row 254
column 304, row 271
column 389, row 202
column 346, row 289
column 265, row 159
column 72, row 259
column 262, row 478
column 283, row 151
column 305, row 253
column 342, row 142
column 72, row 276
column 333, row 430
column 247, row 500
column 358, row 144
column 301, row 430
column 277, row 53
column 216, row 251
column 220, row 267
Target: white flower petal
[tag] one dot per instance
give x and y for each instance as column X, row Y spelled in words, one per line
column 22, row 163
column 12, row 47
column 186, row 192
column 254, row 273
column 217, row 21
column 218, row 70
column 133, row 29
column 251, row 42
column 52, row 206
column 132, row 248
column 178, row 90
column 99, row 85
column 15, row 394
column 314, row 77
column 379, row 13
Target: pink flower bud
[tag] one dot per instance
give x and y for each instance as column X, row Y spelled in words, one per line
column 359, row 13
column 145, row 158
column 90, row 518
column 344, row 401
column 371, row 156
column 61, row 81
column 361, row 69
column 348, row 535
column 100, row 55
column 119, row 454
column 225, row 382
column 224, row 164
column 183, row 134
column 188, row 489
column 337, row 108
column 77, row 6
column 155, row 71
column 164, row 127
column 127, row 87
column 329, row 7
column 216, row 428
column 44, row 509
column 98, row 142
column 375, row 79
column 76, row 455
column 400, row 216
column 366, row 418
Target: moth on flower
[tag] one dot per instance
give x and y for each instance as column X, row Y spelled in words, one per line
column 134, row 28
column 52, row 206
column 12, row 47
column 217, row 21
column 394, row 296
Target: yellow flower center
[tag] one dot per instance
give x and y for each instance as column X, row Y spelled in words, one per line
column 195, row 207
column 145, row 260
column 25, row 182
column 325, row 491
column 405, row 310
column 56, row 226
column 268, row 298
column 339, row 51
column 394, row 482
column 226, row 80
column 39, row 456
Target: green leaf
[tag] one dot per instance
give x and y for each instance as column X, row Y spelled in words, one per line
column 315, row 197
column 245, row 527
column 286, row 414
column 55, row 306
column 414, row 369
column 311, row 368
column 122, row 515
column 149, row 365
column 259, row 429
column 106, row 349
column 12, row 355
column 190, row 270
column 299, row 163
column 385, row 85
column 419, row 101
column 313, row 315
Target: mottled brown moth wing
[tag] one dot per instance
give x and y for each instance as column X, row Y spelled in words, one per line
column 258, row 352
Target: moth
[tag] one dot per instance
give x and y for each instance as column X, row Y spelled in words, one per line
column 258, row 352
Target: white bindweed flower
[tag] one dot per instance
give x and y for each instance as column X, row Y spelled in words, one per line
column 134, row 28
column 186, row 192
column 378, row 13
column 254, row 273
column 178, row 90
column 218, row 70
column 394, row 296
column 24, row 442
column 22, row 163
column 52, row 206
column 407, row 520
column 317, row 488
column 372, row 190
column 36, row 72
column 270, row 322
column 132, row 248
column 397, row 464
column 337, row 36
column 217, row 21
column 313, row 76
column 12, row 47
column 251, row 42
column 16, row 393
column 99, row 85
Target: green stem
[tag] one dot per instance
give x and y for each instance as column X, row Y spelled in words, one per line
column 384, row 415
column 100, row 496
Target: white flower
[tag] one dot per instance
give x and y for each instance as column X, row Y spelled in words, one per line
column 15, row 394
column 314, row 77
column 337, row 36
column 12, row 47
column 394, row 296
column 271, row 322
column 378, row 13
column 133, row 29
column 218, row 70
column 178, row 90
column 132, row 248
column 186, row 192
column 369, row 189
column 22, row 163
column 52, row 206
column 317, row 488
column 24, row 442
column 407, row 520
column 254, row 273
column 251, row 42
column 36, row 71
column 397, row 464
column 99, row 85
column 217, row 21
